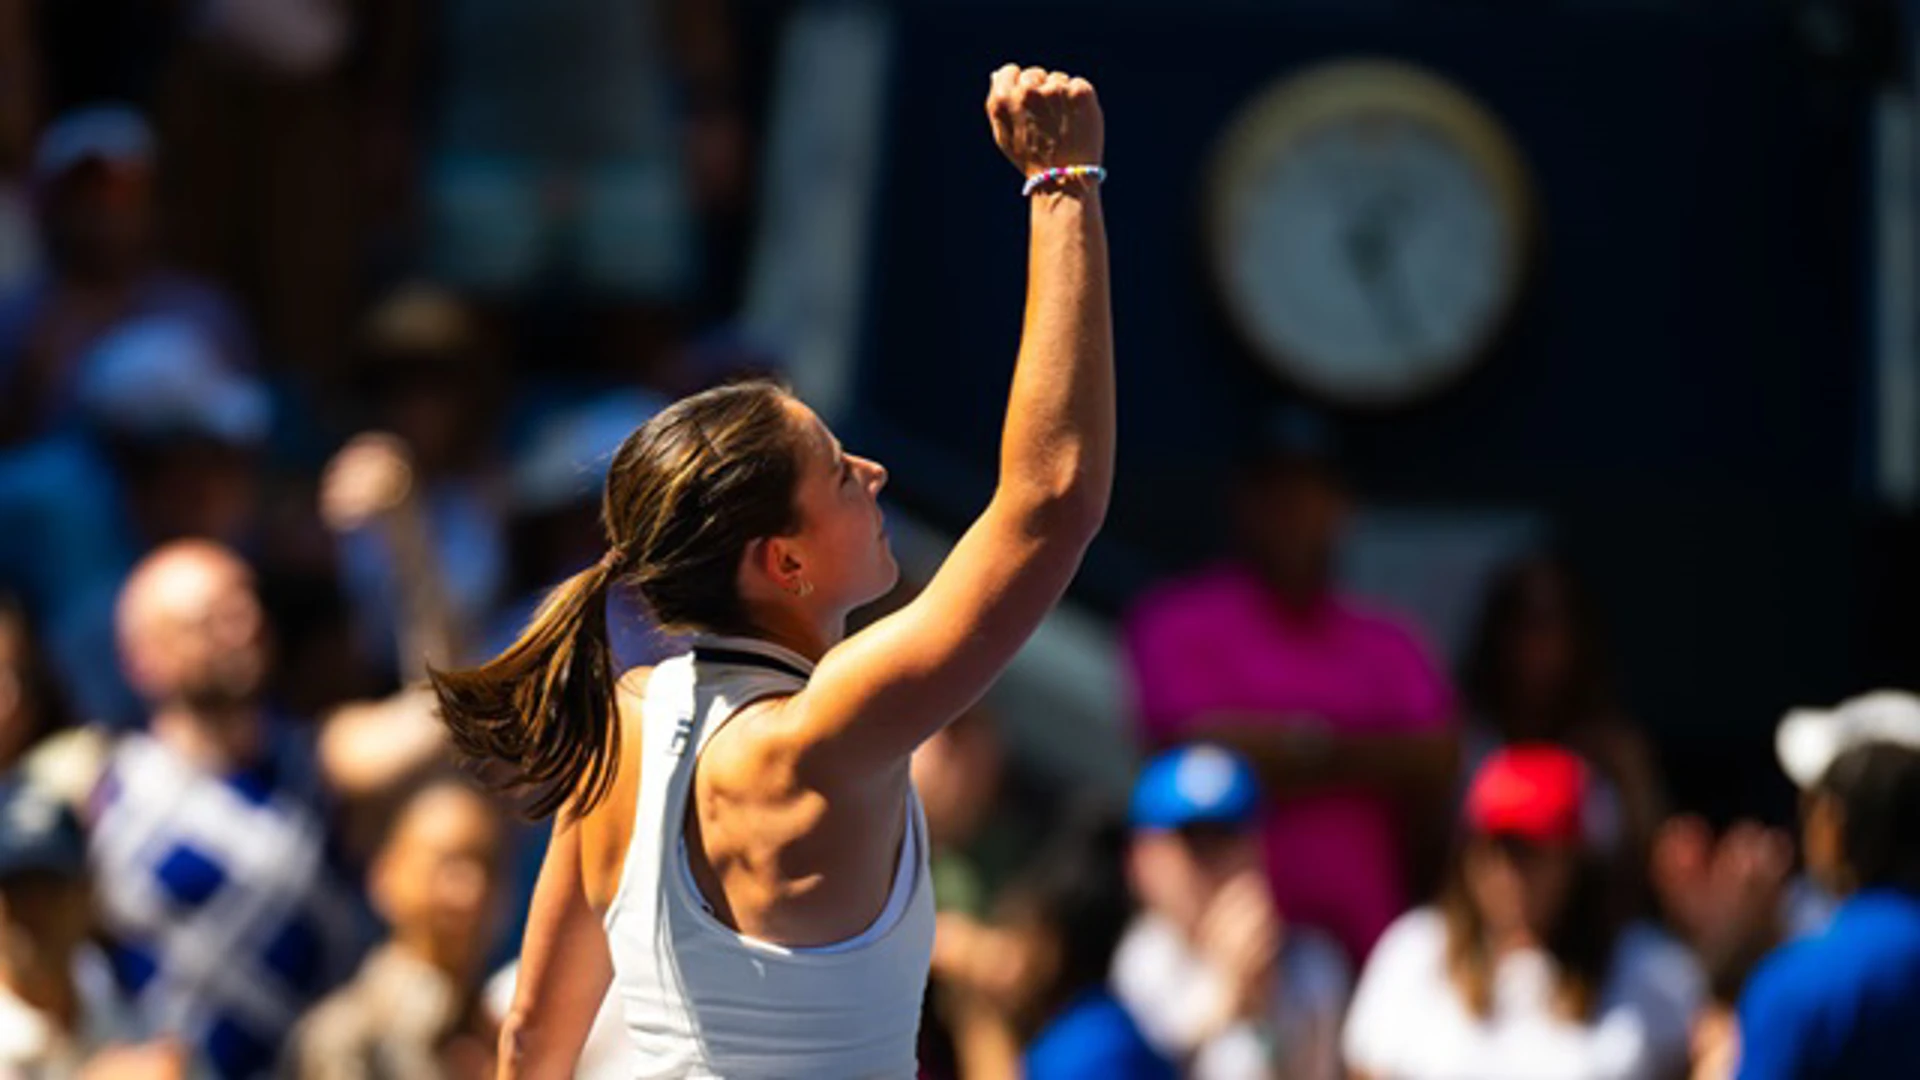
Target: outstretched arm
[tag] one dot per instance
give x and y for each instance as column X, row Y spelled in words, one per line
column 880, row 693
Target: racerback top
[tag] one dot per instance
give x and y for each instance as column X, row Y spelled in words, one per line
column 701, row 1000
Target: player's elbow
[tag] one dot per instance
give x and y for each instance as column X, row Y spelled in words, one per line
column 512, row 1048
column 1067, row 504
column 520, row 1057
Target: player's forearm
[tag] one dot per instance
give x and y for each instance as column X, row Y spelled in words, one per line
column 1059, row 442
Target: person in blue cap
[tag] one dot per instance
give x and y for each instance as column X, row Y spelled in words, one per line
column 1210, row 971
column 93, row 178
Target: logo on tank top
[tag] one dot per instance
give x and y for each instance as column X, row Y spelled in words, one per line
column 682, row 735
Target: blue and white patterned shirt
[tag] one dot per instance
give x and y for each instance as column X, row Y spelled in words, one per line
column 224, row 914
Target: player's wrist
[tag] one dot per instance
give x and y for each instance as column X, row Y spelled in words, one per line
column 1072, row 177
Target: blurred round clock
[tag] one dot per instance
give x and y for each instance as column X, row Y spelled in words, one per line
column 1368, row 224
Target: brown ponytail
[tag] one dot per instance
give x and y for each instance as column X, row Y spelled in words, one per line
column 545, row 706
column 686, row 494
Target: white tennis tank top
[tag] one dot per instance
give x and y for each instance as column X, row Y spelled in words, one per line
column 701, row 1000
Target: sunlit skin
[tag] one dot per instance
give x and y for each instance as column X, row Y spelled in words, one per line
column 1175, row 876
column 437, row 879
column 801, row 588
column 799, row 802
column 193, row 639
column 1518, row 889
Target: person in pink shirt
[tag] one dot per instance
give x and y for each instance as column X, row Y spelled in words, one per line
column 1341, row 708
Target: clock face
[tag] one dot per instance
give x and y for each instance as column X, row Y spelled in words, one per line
column 1368, row 231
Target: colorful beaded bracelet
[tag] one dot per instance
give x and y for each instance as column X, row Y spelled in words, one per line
column 1065, row 172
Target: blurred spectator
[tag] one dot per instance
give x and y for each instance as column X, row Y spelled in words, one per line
column 93, row 174
column 576, row 140
column 1340, row 709
column 169, row 448
column 1538, row 671
column 1209, row 970
column 985, row 820
column 1060, row 925
column 1729, row 895
column 982, row 812
column 1523, row 970
column 414, row 1009
column 1846, row 1001
column 59, row 1010
column 223, row 913
column 419, row 505
column 1734, row 895
column 1807, row 743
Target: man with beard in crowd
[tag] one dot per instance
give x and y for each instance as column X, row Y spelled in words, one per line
column 209, row 850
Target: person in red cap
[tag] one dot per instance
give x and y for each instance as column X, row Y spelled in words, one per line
column 1524, row 968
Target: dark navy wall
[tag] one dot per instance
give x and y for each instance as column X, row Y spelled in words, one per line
column 1681, row 390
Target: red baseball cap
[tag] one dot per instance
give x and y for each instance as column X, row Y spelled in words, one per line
column 1533, row 791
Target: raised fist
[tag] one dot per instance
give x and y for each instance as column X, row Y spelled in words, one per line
column 369, row 477
column 1045, row 119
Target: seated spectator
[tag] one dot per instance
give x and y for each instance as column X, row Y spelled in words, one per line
column 1538, row 671
column 1522, row 970
column 414, row 1010
column 169, row 447
column 1060, row 925
column 93, row 173
column 59, row 1011
column 1807, row 743
column 1846, row 1001
column 1209, row 970
column 1735, row 895
column 1340, row 709
column 223, row 916
column 985, row 820
column 981, row 836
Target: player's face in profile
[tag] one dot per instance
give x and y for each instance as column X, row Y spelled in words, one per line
column 842, row 541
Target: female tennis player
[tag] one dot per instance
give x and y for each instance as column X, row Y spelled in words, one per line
column 739, row 853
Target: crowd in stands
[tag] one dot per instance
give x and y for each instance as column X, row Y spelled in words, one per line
column 318, row 323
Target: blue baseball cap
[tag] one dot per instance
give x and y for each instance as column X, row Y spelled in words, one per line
column 38, row 834
column 1195, row 785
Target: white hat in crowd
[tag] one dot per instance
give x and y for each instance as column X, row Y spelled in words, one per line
column 1808, row 740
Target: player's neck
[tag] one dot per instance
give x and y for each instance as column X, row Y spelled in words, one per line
column 811, row 637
